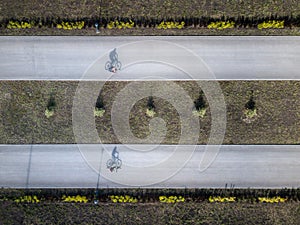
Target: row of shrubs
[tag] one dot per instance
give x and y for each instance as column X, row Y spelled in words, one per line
column 161, row 23
column 220, row 25
column 150, row 195
column 129, row 199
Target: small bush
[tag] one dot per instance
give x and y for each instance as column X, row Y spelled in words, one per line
column 199, row 113
column 249, row 113
column 272, row 200
column 27, row 199
column 221, row 199
column 170, row 25
column 123, row 199
column 76, row 198
column 200, row 102
column 271, row 24
column 120, row 25
column 250, row 104
column 220, row 25
column 100, row 103
column 150, row 103
column 171, row 199
column 51, row 103
column 50, row 107
column 150, row 112
column 71, row 25
column 49, row 113
column 99, row 112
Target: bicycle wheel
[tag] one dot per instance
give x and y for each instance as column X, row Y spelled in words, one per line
column 119, row 163
column 118, row 65
column 108, row 65
column 109, row 163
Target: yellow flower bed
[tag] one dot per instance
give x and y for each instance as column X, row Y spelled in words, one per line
column 171, row 199
column 70, row 25
column 17, row 25
column 27, row 199
column 220, row 25
column 123, row 199
column 76, row 198
column 272, row 200
column 170, row 25
column 221, row 199
column 271, row 24
column 120, row 25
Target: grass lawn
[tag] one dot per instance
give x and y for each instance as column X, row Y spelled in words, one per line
column 152, row 32
column 157, row 9
column 148, row 8
column 23, row 120
column 150, row 213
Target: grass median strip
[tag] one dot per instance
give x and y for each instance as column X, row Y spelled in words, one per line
column 276, row 118
column 144, row 206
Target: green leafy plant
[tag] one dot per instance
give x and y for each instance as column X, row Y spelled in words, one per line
column 99, row 109
column 19, row 25
column 150, row 107
column 250, row 108
column 71, row 25
column 200, row 106
column 274, row 24
column 123, row 199
column 272, row 200
column 171, row 199
column 171, row 25
column 76, row 198
column 27, row 199
column 220, row 25
column 120, row 24
column 50, row 107
column 221, row 199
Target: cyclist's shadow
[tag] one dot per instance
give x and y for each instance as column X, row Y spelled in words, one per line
column 113, row 64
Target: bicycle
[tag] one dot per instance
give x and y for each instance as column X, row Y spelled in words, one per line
column 110, row 65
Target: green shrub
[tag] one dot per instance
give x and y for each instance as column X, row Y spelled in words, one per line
column 51, row 103
column 150, row 103
column 171, row 25
column 123, row 199
column 120, row 25
column 99, row 112
column 19, row 25
column 220, row 25
column 271, row 24
column 200, row 106
column 71, row 25
column 221, row 199
column 272, row 200
column 76, row 198
column 27, row 199
column 171, row 199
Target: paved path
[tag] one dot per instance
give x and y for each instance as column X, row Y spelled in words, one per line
column 64, row 166
column 226, row 57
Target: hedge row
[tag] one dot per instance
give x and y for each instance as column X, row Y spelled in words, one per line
column 104, row 22
column 152, row 195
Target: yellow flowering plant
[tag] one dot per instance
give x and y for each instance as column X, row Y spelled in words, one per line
column 171, row 199
column 221, row 199
column 123, row 199
column 76, row 198
column 274, row 24
column 220, row 25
